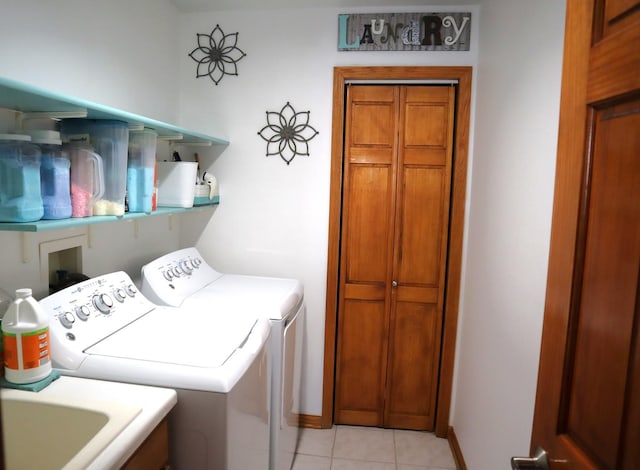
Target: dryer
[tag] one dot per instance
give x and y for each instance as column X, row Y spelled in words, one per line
column 217, row 361
column 183, row 278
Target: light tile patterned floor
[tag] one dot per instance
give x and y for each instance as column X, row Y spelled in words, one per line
column 362, row 448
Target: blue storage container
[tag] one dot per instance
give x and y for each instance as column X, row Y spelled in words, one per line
column 54, row 174
column 20, row 198
column 140, row 170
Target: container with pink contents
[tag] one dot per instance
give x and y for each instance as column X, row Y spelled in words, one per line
column 87, row 179
column 110, row 140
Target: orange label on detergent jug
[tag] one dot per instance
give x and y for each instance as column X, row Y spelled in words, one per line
column 35, row 349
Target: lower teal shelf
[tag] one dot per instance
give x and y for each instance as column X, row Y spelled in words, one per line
column 43, row 225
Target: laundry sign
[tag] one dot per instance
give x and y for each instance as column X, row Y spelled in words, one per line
column 404, row 31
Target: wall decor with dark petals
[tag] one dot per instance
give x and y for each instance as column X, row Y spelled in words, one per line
column 217, row 54
column 287, row 133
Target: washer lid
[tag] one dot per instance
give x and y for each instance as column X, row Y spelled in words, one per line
column 197, row 338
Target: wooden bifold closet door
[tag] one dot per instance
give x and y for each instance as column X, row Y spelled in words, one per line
column 394, row 234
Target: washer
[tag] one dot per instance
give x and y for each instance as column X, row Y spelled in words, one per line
column 218, row 361
column 183, row 278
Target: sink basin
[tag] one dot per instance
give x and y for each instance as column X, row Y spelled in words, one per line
column 53, row 432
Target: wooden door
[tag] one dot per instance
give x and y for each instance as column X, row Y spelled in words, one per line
column 397, row 182
column 587, row 412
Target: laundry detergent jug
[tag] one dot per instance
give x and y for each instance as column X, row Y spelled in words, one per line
column 25, row 335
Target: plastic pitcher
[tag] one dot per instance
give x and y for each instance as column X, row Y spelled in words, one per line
column 87, row 179
column 110, row 139
column 140, row 170
column 20, row 198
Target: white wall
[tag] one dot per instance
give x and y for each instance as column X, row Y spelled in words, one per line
column 508, row 233
column 117, row 53
column 273, row 218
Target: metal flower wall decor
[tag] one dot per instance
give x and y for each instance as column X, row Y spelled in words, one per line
column 217, row 54
column 287, row 133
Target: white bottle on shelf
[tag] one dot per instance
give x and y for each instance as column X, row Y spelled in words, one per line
column 25, row 334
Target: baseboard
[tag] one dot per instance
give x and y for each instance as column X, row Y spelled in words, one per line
column 455, row 449
column 311, row 421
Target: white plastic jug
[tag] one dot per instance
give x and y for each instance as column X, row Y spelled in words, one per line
column 25, row 335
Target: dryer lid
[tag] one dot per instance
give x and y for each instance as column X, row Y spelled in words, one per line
column 269, row 297
column 196, row 338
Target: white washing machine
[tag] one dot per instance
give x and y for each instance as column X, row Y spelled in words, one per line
column 217, row 361
column 183, row 278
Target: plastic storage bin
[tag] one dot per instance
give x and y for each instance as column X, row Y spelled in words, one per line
column 176, row 183
column 87, row 179
column 140, row 170
column 54, row 174
column 110, row 140
column 20, row 198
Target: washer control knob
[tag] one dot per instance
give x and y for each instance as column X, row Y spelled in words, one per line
column 176, row 271
column 131, row 290
column 67, row 319
column 120, row 294
column 83, row 312
column 168, row 275
column 103, row 303
column 186, row 267
column 196, row 262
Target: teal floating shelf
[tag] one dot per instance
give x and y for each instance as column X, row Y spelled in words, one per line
column 28, row 99
column 44, row 225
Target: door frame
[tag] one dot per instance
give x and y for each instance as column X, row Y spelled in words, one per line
column 341, row 75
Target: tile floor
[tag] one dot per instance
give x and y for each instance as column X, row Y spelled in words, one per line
column 362, row 448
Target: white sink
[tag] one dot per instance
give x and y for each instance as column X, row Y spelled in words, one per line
column 78, row 423
column 53, row 432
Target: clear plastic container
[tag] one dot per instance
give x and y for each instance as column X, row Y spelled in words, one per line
column 87, row 179
column 20, row 198
column 110, row 139
column 54, row 174
column 140, row 170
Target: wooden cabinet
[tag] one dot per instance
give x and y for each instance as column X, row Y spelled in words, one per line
column 395, row 217
column 153, row 454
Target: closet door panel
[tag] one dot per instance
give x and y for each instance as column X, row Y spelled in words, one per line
column 359, row 395
column 411, row 398
column 366, row 248
column 420, row 255
column 421, row 227
column 368, row 224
